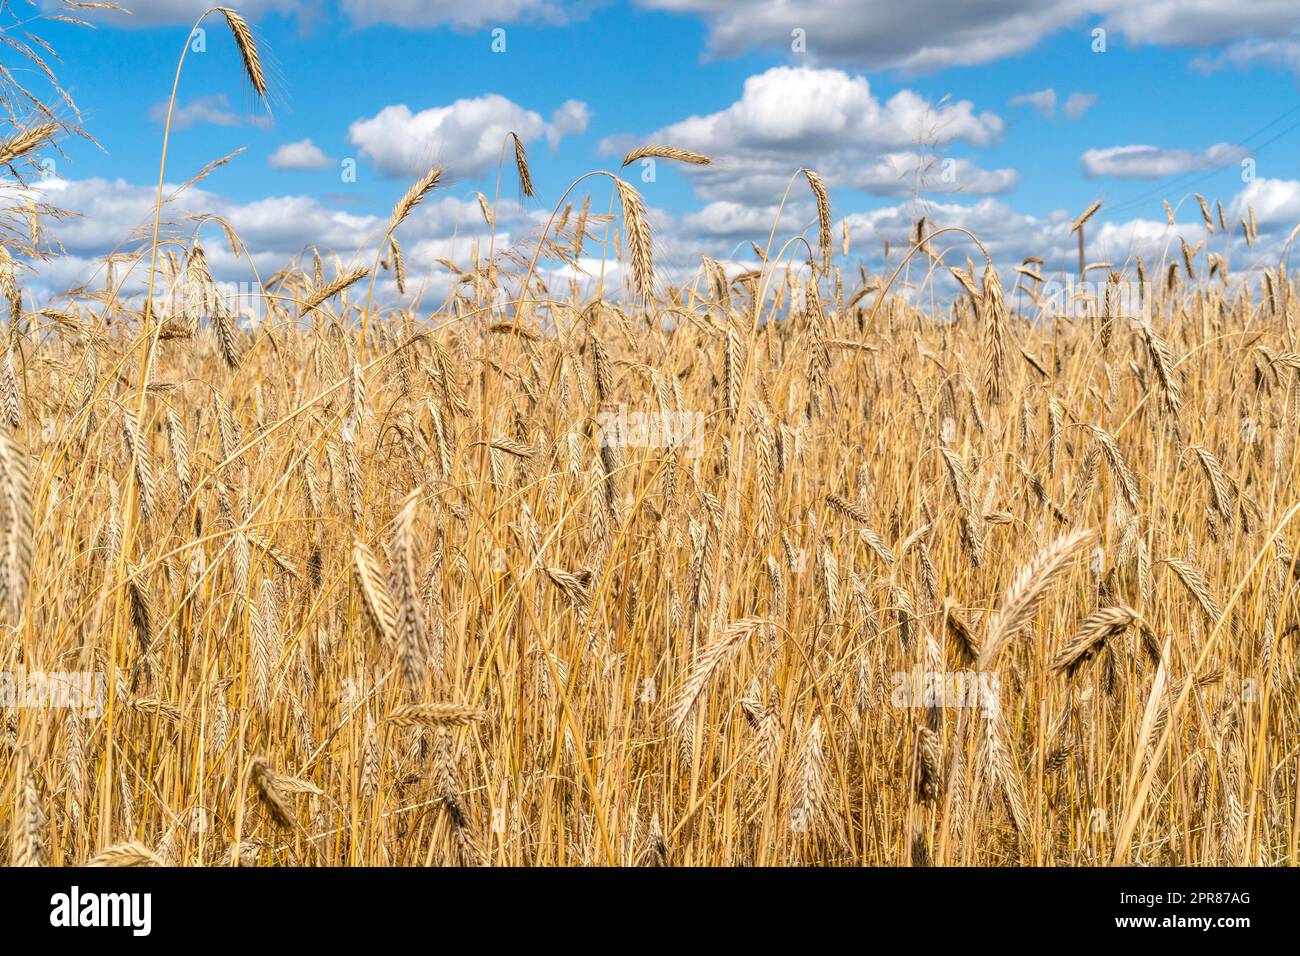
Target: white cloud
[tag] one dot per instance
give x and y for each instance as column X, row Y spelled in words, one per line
column 1280, row 52
column 213, row 109
column 148, row 13
column 416, row 14
column 1200, row 22
column 1010, row 236
column 788, row 117
column 110, row 209
column 456, row 13
column 1044, row 101
column 275, row 229
column 736, row 222
column 1076, row 104
column 805, row 109
column 903, row 173
column 919, row 35
column 466, row 136
column 570, row 119
column 724, row 230
column 1276, row 203
column 924, row 35
column 303, row 154
column 1154, row 162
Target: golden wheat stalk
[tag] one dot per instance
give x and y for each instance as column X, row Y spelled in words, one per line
column 128, row 853
column 666, row 152
column 1098, row 628
column 336, row 285
column 412, row 641
column 375, row 596
column 267, row 787
column 823, row 200
column 706, row 665
column 1026, row 592
column 413, row 197
column 16, row 530
column 435, row 715
column 247, row 49
column 24, row 142
column 638, row 238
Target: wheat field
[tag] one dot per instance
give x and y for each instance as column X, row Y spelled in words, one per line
column 780, row 568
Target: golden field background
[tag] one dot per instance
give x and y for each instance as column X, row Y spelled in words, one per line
column 374, row 586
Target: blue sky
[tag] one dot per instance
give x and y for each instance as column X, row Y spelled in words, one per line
column 1184, row 91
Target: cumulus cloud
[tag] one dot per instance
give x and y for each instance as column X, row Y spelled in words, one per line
column 919, row 35
column 303, row 154
column 734, row 222
column 1011, row 235
column 433, row 13
column 213, row 109
column 1276, row 203
column 1280, row 52
column 903, row 173
column 275, row 229
column 1154, row 162
column 1199, row 22
column 925, row 35
column 1076, row 104
column 570, row 119
column 108, row 211
column 1261, row 33
column 465, row 136
column 1008, row 234
column 788, row 117
column 724, row 230
column 414, row 14
column 1044, row 101
column 802, row 108
column 148, row 13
